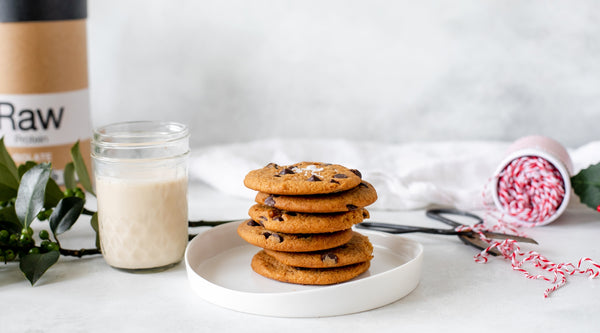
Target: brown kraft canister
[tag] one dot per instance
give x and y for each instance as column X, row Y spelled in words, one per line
column 44, row 96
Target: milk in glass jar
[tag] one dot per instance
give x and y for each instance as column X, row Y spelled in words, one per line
column 141, row 180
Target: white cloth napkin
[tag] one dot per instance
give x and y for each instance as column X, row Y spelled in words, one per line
column 406, row 176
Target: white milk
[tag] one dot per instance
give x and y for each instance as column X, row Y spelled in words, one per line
column 142, row 223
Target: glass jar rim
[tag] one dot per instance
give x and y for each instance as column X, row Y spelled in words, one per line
column 139, row 134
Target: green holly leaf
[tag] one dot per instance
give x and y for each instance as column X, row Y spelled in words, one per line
column 94, row 224
column 69, row 176
column 586, row 184
column 65, row 214
column 9, row 219
column 81, row 169
column 7, row 161
column 30, row 197
column 8, row 184
column 35, row 265
column 53, row 191
column 25, row 167
column 9, row 177
column 53, row 194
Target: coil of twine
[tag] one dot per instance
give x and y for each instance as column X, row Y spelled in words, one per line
column 531, row 188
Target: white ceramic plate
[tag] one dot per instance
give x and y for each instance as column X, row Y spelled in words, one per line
column 218, row 269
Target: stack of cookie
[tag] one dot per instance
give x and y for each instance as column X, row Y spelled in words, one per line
column 303, row 221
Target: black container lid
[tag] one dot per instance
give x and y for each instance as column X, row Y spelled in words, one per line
column 42, row 10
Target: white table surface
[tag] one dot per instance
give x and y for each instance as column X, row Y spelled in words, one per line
column 455, row 294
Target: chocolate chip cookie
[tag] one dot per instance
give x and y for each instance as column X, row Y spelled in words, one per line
column 362, row 195
column 304, row 178
column 267, row 266
column 255, row 234
column 358, row 249
column 304, row 223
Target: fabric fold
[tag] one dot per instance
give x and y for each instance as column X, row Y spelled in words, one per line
column 411, row 175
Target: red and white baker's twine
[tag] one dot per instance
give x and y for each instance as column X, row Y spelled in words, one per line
column 530, row 189
column 510, row 250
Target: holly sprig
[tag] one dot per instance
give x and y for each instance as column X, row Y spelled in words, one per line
column 586, row 184
column 27, row 194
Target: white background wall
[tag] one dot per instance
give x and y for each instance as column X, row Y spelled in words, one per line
column 395, row 71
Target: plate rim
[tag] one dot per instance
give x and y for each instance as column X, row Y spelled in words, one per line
column 289, row 303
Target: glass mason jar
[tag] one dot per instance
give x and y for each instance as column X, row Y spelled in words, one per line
column 140, row 171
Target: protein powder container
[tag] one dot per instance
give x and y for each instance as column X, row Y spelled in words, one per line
column 44, row 96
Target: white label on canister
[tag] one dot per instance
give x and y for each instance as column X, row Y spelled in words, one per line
column 36, row 120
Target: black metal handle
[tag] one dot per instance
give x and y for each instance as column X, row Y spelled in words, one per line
column 436, row 214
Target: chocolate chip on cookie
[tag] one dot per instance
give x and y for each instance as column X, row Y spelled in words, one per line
column 329, row 259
